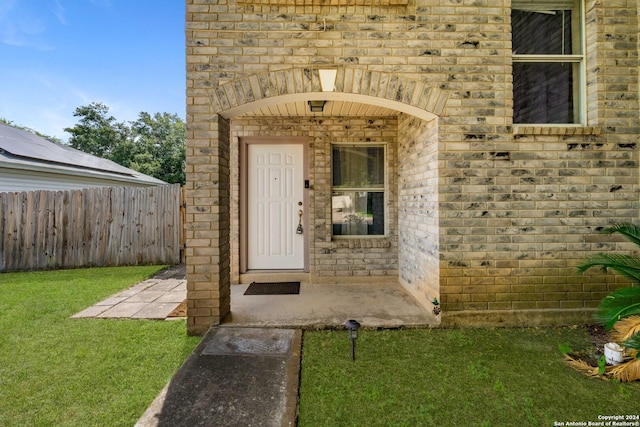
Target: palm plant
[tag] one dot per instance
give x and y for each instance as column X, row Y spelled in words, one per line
column 620, row 310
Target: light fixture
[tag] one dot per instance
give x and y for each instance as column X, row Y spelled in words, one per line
column 352, row 326
column 328, row 79
column 316, row 106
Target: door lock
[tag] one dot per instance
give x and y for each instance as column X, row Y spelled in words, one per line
column 299, row 229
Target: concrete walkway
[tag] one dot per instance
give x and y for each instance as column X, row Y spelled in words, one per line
column 235, row 377
column 246, row 372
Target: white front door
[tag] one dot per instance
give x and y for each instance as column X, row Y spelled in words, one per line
column 275, row 190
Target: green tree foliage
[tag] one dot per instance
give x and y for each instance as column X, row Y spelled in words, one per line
column 153, row 144
column 162, row 137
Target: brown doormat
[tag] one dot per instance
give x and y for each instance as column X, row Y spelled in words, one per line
column 277, row 288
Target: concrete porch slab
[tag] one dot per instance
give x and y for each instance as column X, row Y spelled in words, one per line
column 319, row 306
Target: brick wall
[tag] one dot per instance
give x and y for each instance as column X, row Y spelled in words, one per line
column 418, row 208
column 517, row 206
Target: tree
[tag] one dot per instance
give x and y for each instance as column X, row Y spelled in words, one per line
column 97, row 133
column 153, row 145
column 161, row 140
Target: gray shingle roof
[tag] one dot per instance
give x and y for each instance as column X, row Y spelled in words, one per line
column 23, row 147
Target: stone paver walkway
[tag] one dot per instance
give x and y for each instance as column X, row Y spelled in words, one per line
column 154, row 298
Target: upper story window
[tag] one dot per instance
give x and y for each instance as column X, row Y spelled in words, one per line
column 358, row 189
column 548, row 62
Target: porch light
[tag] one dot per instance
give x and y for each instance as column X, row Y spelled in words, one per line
column 316, row 106
column 328, row 79
column 352, row 326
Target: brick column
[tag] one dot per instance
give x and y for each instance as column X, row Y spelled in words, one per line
column 208, row 226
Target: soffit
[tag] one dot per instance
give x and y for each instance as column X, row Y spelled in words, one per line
column 331, row 108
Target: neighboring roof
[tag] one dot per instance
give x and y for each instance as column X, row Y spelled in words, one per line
column 20, row 149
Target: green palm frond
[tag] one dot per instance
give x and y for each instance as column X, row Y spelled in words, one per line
column 626, row 265
column 617, row 305
column 630, row 231
column 633, row 342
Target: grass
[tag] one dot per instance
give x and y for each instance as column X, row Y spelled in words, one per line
column 438, row 377
column 55, row 370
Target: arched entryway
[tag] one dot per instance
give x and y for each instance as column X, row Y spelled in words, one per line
column 410, row 130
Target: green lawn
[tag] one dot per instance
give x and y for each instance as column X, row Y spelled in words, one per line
column 438, row 377
column 59, row 371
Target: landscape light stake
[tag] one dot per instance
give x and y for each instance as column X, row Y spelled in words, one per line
column 352, row 326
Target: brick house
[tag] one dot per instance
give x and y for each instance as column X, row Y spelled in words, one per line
column 469, row 149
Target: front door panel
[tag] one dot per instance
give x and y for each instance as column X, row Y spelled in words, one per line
column 275, row 195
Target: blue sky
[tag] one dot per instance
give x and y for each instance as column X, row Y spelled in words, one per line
column 57, row 55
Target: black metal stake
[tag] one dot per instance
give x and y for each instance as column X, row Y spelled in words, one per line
column 352, row 326
column 353, row 349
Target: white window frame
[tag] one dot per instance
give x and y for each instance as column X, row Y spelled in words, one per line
column 384, row 189
column 580, row 86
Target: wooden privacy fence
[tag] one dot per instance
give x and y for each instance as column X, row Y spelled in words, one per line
column 90, row 227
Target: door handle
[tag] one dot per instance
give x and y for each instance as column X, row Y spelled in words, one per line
column 299, row 229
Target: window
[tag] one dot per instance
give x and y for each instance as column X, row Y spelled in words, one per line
column 548, row 62
column 358, row 190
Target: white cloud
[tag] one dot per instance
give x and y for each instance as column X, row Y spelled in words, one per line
column 59, row 12
column 19, row 26
column 32, row 26
column 7, row 27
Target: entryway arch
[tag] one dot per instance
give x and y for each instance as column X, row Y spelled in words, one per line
column 208, row 184
column 408, row 95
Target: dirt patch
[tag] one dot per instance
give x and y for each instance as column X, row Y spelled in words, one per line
column 180, row 310
column 599, row 336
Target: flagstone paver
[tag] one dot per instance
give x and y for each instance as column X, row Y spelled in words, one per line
column 122, row 310
column 153, row 298
column 157, row 310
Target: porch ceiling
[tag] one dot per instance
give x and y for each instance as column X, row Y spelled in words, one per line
column 331, row 108
column 338, row 104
